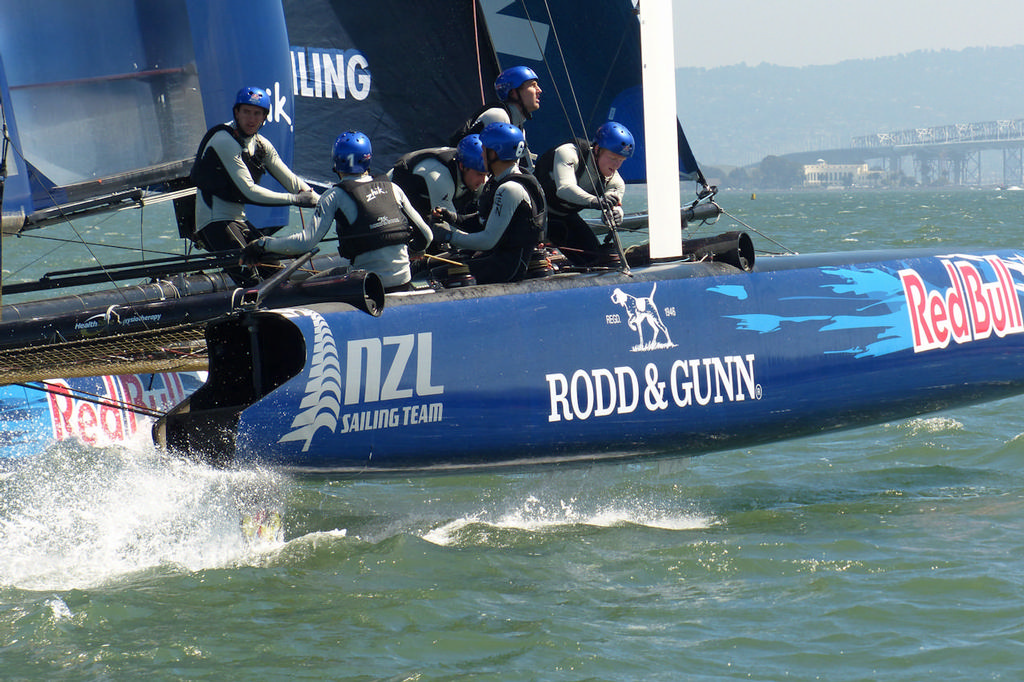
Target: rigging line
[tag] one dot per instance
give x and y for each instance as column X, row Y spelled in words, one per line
column 476, row 47
column 3, row 150
column 762, row 234
column 564, row 68
column 596, row 182
column 29, row 235
column 547, row 64
column 93, row 398
column 44, row 256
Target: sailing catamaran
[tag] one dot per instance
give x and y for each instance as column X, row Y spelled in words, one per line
column 672, row 356
column 689, row 349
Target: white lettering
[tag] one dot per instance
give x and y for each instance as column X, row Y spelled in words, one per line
column 558, row 390
column 354, row 370
column 358, row 76
column 578, row 377
column 603, row 406
column 600, row 392
column 330, row 74
column 403, row 352
column 424, row 354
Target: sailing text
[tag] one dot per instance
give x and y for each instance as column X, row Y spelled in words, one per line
column 330, row 74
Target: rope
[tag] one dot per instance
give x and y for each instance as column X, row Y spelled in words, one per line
column 476, row 47
column 93, row 398
column 786, row 249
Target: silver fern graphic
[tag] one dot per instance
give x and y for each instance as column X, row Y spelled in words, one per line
column 321, row 404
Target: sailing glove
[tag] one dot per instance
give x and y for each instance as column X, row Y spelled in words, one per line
column 305, row 199
column 603, row 203
column 442, row 234
column 254, row 250
column 612, row 217
column 447, row 215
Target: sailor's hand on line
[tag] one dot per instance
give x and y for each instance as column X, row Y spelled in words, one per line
column 305, row 199
column 612, row 217
column 253, row 251
column 442, row 233
column 442, row 214
column 603, row 203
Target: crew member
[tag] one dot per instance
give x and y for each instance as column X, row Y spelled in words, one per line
column 376, row 223
column 231, row 159
column 579, row 175
column 447, row 177
column 518, row 91
column 511, row 215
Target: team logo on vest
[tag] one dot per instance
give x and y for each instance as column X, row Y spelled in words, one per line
column 968, row 310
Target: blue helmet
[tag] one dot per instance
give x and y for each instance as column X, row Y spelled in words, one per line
column 505, row 139
column 352, row 153
column 510, row 79
column 615, row 138
column 257, row 97
column 470, row 153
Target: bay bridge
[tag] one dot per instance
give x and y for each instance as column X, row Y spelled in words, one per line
column 950, row 154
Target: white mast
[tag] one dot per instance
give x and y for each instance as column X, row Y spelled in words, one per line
column 660, row 139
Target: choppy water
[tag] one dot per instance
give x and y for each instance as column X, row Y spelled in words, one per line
column 893, row 552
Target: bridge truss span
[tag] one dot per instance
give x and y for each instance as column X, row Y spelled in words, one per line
column 950, row 153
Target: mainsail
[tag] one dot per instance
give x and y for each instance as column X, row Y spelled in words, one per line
column 404, row 73
column 589, row 76
column 408, row 74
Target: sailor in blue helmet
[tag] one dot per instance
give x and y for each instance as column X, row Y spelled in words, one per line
column 449, row 177
column 510, row 221
column 231, row 159
column 578, row 175
column 375, row 221
column 518, row 93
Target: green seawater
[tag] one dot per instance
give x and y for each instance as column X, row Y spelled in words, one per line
column 893, row 552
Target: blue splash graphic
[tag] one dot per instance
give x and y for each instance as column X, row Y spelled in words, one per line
column 884, row 308
column 733, row 290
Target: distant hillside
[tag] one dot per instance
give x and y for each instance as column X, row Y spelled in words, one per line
column 737, row 115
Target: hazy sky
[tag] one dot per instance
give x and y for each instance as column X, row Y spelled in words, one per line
column 808, row 32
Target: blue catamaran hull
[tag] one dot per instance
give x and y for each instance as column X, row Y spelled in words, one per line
column 678, row 359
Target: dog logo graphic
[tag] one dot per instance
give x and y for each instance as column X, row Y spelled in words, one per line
column 641, row 314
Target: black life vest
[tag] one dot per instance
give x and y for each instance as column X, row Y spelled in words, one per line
column 211, row 177
column 526, row 227
column 545, row 174
column 415, row 186
column 471, row 126
column 379, row 221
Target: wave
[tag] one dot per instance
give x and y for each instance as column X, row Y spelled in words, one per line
column 535, row 516
column 78, row 516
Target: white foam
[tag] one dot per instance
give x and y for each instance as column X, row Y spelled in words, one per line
column 534, row 515
column 76, row 516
